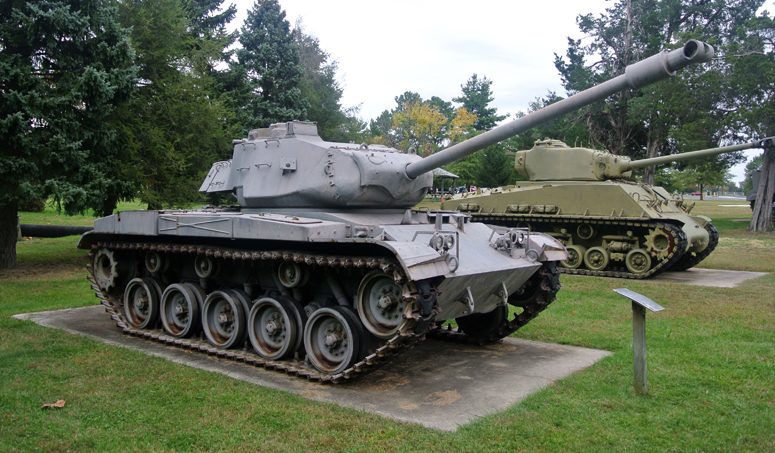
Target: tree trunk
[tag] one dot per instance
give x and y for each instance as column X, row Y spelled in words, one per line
column 9, row 219
column 650, row 171
column 762, row 209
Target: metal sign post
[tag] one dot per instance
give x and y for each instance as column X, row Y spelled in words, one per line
column 639, row 305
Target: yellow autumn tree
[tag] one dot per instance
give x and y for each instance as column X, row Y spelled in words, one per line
column 462, row 125
column 419, row 125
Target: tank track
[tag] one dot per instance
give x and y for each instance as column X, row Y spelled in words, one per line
column 674, row 255
column 548, row 281
column 689, row 260
column 387, row 351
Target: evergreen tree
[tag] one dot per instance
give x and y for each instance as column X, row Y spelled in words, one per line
column 476, row 98
column 320, row 88
column 173, row 127
column 64, row 67
column 566, row 128
column 494, row 168
column 270, row 67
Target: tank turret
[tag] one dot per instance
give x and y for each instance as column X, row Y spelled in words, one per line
column 288, row 165
column 554, row 160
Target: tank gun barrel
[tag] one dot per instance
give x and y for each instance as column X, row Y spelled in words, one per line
column 636, row 75
column 767, row 142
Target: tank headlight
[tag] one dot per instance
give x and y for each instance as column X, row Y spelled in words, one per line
column 450, row 242
column 437, row 242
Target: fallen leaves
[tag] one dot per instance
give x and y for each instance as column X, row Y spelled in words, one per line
column 59, row 404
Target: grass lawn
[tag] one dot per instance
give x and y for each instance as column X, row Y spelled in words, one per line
column 711, row 375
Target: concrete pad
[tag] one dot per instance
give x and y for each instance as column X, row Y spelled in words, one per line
column 708, row 277
column 437, row 384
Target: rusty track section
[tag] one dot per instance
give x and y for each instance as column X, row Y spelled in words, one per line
column 674, row 255
column 385, row 353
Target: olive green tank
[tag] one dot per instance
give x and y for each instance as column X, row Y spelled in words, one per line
column 611, row 226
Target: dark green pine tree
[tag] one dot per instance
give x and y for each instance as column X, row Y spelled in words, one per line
column 320, row 87
column 270, row 65
column 64, row 67
column 476, row 98
column 495, row 168
column 173, row 128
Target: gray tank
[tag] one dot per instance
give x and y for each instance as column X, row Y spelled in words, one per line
column 610, row 226
column 324, row 270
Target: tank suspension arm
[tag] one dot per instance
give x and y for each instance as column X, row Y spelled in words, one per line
column 636, row 75
column 697, row 154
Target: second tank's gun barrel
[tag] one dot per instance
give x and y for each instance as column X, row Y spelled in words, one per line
column 767, row 142
column 636, row 75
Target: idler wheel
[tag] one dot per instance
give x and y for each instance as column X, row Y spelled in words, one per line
column 273, row 327
column 223, row 319
column 141, row 302
column 638, row 261
column 380, row 304
column 334, row 339
column 575, row 256
column 482, row 325
column 180, row 310
column 596, row 258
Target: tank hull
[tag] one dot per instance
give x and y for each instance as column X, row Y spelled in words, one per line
column 616, row 218
column 383, row 281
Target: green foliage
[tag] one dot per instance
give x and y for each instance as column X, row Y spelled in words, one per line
column 64, row 68
column 751, row 61
column 495, row 168
column 670, row 179
column 173, row 126
column 566, row 128
column 687, row 112
column 704, row 174
column 475, row 98
column 750, row 167
column 264, row 82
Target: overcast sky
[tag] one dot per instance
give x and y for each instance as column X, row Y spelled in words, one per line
column 432, row 47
